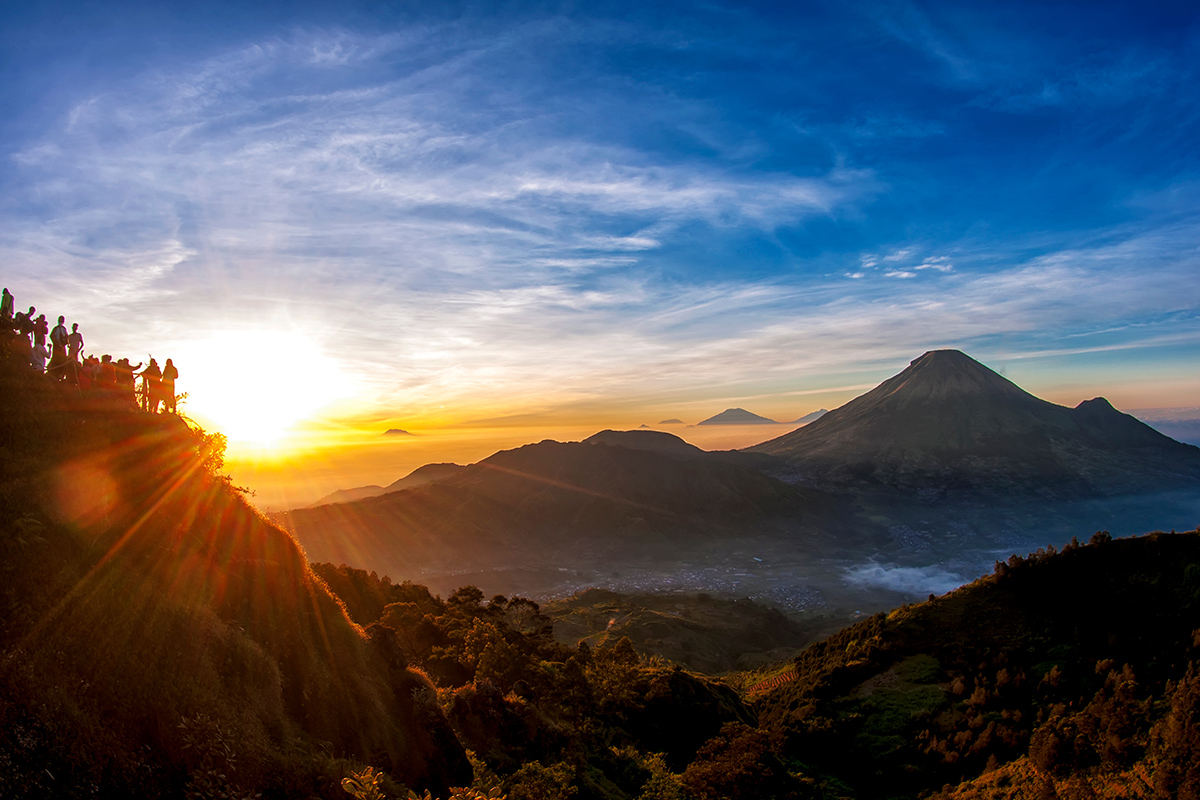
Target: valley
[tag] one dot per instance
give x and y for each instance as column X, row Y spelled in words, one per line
column 912, row 489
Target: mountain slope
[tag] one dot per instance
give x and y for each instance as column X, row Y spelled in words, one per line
column 533, row 503
column 421, row 475
column 1056, row 667
column 947, row 421
column 160, row 638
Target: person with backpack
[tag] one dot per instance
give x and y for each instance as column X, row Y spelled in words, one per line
column 58, row 352
column 41, row 329
column 23, row 322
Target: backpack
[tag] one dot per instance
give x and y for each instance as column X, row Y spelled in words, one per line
column 58, row 336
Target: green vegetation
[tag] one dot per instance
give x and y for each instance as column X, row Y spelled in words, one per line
column 1068, row 667
column 701, row 632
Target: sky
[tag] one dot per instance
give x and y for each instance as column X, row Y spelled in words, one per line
column 540, row 217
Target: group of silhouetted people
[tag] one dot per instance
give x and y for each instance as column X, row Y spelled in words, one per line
column 62, row 362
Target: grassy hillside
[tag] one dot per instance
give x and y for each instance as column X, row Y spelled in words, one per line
column 1071, row 664
column 160, row 638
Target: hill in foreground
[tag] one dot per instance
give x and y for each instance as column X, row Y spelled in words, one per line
column 948, row 422
column 1061, row 675
column 159, row 638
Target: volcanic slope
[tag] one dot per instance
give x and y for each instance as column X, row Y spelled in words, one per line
column 647, row 494
column 948, row 422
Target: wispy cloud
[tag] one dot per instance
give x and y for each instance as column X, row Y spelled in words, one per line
column 455, row 220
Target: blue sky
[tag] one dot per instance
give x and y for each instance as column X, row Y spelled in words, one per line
column 618, row 212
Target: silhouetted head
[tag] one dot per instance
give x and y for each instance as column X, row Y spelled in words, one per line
column 170, row 363
column 106, row 358
column 61, row 319
column 41, row 317
column 31, row 310
column 153, row 363
column 74, row 326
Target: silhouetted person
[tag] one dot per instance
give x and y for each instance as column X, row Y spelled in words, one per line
column 74, row 343
column 124, row 373
column 58, row 350
column 169, row 374
column 38, row 356
column 6, row 306
column 40, row 330
column 106, row 376
column 23, row 322
column 89, row 373
column 152, row 385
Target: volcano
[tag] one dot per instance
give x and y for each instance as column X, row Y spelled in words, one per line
column 948, row 421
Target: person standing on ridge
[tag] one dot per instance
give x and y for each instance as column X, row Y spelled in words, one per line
column 106, row 376
column 41, row 329
column 6, row 305
column 58, row 353
column 152, row 386
column 23, row 322
column 124, row 372
column 74, row 343
column 169, row 374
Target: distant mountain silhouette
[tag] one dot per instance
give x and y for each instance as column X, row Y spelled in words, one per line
column 737, row 416
column 396, row 432
column 947, row 421
column 420, row 475
column 813, row 417
column 656, row 441
column 614, row 491
column 671, row 421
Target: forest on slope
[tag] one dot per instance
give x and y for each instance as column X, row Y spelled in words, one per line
column 158, row 638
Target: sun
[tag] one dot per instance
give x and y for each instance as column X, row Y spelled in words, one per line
column 254, row 386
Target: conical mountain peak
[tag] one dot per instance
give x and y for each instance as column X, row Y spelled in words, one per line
column 950, row 374
column 949, row 420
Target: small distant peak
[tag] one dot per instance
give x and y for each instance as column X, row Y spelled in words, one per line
column 1097, row 404
column 396, row 432
column 737, row 416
